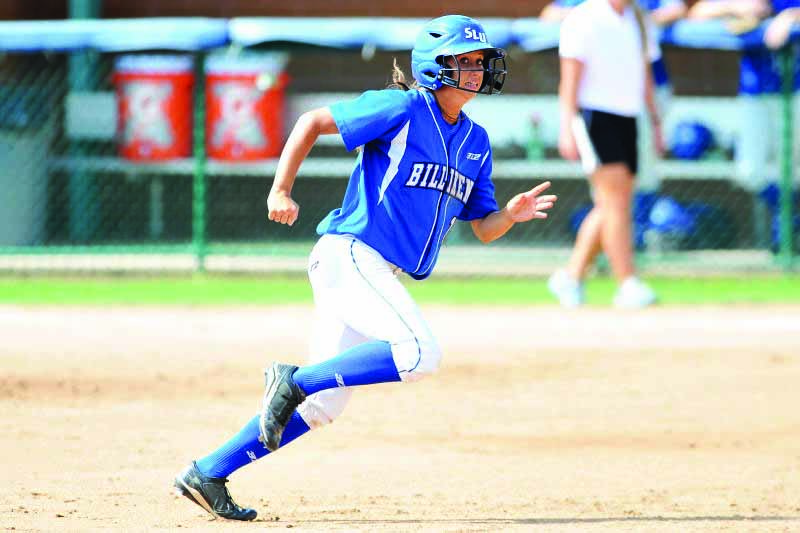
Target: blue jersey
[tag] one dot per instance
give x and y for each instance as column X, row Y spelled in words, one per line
column 415, row 175
column 759, row 70
column 782, row 5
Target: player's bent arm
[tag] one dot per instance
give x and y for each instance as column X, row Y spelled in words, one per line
column 752, row 8
column 523, row 207
column 492, row 226
column 308, row 127
column 707, row 9
column 280, row 206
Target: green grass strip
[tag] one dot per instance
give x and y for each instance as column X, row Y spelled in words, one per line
column 274, row 290
column 196, row 290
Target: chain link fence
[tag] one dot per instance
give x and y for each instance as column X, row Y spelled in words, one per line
column 162, row 161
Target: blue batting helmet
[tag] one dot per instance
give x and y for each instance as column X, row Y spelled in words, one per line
column 691, row 140
column 450, row 36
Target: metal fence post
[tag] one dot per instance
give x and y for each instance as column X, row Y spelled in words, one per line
column 83, row 212
column 787, row 144
column 199, row 181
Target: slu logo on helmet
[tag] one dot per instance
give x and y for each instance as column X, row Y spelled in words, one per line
column 475, row 35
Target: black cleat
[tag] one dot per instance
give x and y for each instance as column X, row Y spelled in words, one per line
column 211, row 494
column 281, row 398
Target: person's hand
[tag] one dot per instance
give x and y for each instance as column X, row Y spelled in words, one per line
column 566, row 145
column 282, row 208
column 777, row 33
column 529, row 205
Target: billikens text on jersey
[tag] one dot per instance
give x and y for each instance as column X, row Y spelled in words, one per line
column 441, row 178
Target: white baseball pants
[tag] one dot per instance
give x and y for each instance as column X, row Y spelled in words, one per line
column 358, row 297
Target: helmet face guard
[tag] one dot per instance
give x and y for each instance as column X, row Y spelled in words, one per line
column 446, row 38
column 494, row 74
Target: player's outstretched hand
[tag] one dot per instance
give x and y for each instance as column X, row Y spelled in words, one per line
column 529, row 205
column 282, row 208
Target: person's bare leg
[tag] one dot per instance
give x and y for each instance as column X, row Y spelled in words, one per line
column 613, row 185
column 588, row 244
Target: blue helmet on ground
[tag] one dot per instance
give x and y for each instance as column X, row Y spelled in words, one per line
column 691, row 140
column 450, row 36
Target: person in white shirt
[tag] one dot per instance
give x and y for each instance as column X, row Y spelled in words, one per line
column 662, row 12
column 606, row 47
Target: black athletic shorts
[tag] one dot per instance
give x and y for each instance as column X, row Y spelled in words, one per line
column 613, row 137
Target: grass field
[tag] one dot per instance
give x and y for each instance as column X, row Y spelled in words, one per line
column 218, row 290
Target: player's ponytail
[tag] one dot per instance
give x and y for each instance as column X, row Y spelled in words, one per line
column 399, row 79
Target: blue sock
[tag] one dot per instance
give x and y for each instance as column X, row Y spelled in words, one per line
column 245, row 447
column 367, row 363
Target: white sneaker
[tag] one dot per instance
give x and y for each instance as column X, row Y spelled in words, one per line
column 634, row 294
column 567, row 289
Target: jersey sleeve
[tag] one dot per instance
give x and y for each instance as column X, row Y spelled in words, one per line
column 370, row 116
column 481, row 201
column 571, row 39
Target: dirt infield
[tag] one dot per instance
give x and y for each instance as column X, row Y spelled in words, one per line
column 674, row 419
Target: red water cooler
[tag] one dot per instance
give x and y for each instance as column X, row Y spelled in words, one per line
column 245, row 106
column 154, row 105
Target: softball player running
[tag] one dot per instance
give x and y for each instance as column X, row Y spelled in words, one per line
column 422, row 165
